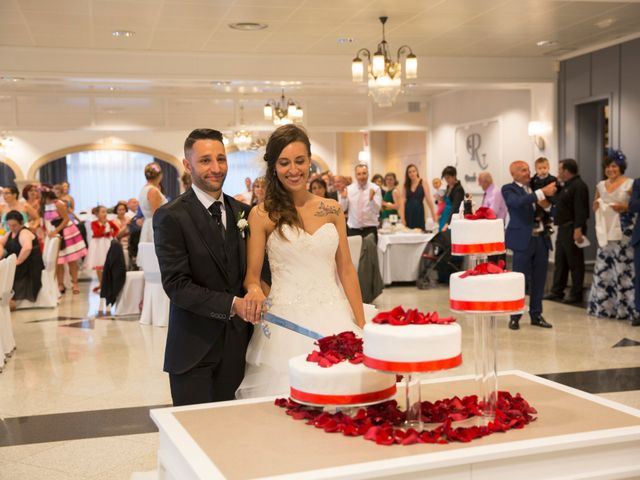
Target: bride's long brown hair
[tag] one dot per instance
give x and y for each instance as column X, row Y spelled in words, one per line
column 278, row 202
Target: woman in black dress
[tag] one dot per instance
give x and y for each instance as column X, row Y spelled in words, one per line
column 19, row 240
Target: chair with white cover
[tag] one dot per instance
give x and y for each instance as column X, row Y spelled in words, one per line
column 155, row 306
column 6, row 294
column 132, row 294
column 48, row 296
column 355, row 247
column 3, row 338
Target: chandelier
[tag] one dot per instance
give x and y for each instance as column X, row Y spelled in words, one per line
column 283, row 111
column 242, row 138
column 5, row 142
column 384, row 74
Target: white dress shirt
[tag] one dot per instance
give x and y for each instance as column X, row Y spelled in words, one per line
column 207, row 200
column 362, row 211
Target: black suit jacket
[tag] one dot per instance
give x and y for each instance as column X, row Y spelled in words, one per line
column 190, row 252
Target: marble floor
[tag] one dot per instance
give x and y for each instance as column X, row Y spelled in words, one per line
column 69, row 363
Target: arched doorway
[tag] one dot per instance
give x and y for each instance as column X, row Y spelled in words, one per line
column 105, row 173
column 9, row 172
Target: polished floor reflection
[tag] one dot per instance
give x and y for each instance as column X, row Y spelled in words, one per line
column 74, row 398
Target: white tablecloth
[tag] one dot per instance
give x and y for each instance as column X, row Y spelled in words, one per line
column 155, row 306
column 399, row 255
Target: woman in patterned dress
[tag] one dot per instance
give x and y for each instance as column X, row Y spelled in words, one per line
column 72, row 246
column 612, row 290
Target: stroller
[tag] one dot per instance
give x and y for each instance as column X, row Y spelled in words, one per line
column 437, row 263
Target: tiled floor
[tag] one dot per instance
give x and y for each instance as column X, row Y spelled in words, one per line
column 66, row 362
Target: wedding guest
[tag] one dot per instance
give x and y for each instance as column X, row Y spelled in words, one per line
column 572, row 212
column 245, row 197
column 72, row 246
column 527, row 238
column 416, row 193
column 185, row 179
column 541, row 179
column 33, row 197
column 634, row 208
column 363, row 201
column 492, row 197
column 453, row 196
column 132, row 207
column 66, row 197
column 12, row 203
column 612, row 293
column 391, row 199
column 103, row 231
column 259, row 190
column 24, row 244
column 438, row 195
column 150, row 199
column 378, row 180
column 122, row 222
column 319, row 187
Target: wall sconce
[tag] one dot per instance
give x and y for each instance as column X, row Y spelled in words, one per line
column 536, row 130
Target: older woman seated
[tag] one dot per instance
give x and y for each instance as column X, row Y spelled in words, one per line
column 29, row 265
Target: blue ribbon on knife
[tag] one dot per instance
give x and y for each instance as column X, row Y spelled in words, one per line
column 271, row 318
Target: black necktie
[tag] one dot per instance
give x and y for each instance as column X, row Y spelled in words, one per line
column 216, row 212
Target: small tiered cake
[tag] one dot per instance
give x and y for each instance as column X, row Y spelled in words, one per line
column 479, row 290
column 477, row 234
column 335, row 375
column 411, row 341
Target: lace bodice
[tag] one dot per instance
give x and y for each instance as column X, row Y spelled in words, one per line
column 303, row 266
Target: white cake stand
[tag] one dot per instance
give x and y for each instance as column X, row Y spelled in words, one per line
column 485, row 347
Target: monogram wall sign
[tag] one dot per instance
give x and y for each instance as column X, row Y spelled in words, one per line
column 477, row 150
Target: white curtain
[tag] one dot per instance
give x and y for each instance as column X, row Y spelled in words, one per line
column 103, row 177
column 245, row 164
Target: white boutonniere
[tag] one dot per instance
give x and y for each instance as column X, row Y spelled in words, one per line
column 242, row 224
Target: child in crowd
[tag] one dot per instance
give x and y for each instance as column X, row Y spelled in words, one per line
column 103, row 231
column 541, row 179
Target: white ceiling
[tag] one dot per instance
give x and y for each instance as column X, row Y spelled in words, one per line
column 185, row 64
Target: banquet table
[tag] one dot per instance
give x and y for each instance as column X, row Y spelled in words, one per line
column 576, row 435
column 399, row 255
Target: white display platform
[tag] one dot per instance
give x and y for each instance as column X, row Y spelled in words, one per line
column 577, row 435
column 399, row 255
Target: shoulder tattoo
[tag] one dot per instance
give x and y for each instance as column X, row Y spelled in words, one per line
column 324, row 210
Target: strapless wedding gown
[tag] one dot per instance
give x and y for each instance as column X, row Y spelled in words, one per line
column 304, row 290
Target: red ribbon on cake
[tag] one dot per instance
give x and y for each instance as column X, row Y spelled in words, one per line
column 476, row 248
column 342, row 399
column 405, row 367
column 485, row 269
column 483, row 213
column 481, row 306
column 398, row 316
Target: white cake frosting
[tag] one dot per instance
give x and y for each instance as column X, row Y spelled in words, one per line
column 498, row 292
column 341, row 384
column 412, row 348
column 477, row 236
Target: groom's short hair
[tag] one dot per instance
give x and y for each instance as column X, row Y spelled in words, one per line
column 200, row 134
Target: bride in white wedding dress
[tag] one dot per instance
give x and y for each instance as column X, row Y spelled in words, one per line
column 305, row 237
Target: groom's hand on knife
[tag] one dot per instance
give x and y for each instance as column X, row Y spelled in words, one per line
column 250, row 307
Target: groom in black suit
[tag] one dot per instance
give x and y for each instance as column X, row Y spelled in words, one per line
column 201, row 251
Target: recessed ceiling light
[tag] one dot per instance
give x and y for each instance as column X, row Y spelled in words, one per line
column 607, row 22
column 11, row 79
column 220, row 83
column 123, row 33
column 345, row 40
column 248, row 26
column 546, row 43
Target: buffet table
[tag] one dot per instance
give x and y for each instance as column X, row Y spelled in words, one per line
column 399, row 255
column 576, row 435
